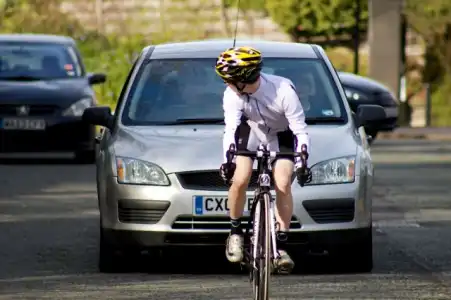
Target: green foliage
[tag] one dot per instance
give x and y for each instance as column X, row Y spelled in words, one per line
column 257, row 5
column 305, row 18
column 343, row 60
column 441, row 104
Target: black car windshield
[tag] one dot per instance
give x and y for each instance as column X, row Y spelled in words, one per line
column 37, row 61
column 188, row 91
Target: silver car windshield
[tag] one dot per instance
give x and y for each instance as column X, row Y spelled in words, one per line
column 172, row 91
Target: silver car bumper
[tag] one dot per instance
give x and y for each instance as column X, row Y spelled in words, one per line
column 153, row 216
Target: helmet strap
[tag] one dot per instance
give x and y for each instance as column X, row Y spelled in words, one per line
column 240, row 90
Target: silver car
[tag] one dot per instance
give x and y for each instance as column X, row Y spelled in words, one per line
column 157, row 165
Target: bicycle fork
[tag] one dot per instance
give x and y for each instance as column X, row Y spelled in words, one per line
column 275, row 253
column 256, row 231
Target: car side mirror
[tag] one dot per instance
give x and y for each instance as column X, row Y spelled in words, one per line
column 99, row 115
column 369, row 114
column 96, row 78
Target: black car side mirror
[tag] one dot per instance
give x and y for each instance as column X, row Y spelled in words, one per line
column 99, row 115
column 369, row 114
column 96, row 78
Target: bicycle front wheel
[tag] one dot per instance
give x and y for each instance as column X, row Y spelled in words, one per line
column 263, row 272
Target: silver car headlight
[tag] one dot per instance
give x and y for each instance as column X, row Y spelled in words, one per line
column 355, row 95
column 78, row 107
column 135, row 171
column 338, row 170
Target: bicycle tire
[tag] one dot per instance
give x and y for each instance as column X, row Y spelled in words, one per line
column 258, row 213
column 265, row 272
column 262, row 276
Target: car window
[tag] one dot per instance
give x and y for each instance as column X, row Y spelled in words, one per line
column 38, row 60
column 170, row 89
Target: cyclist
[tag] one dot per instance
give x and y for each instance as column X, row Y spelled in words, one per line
column 260, row 108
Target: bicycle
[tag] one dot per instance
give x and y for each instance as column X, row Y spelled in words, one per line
column 262, row 251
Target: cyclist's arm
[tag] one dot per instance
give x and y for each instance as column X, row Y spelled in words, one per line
column 232, row 119
column 296, row 118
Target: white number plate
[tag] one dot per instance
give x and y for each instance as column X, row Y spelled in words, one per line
column 22, row 124
column 215, row 205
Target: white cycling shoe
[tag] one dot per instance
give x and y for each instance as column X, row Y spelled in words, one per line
column 284, row 264
column 234, row 248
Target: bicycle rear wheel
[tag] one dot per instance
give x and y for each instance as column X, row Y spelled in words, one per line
column 263, row 256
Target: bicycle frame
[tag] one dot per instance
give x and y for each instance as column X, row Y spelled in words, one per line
column 264, row 187
column 263, row 199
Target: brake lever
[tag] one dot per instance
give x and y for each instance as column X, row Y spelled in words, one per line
column 231, row 153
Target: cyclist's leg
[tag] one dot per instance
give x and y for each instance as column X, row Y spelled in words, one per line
column 237, row 193
column 283, row 172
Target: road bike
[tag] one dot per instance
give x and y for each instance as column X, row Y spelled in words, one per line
column 261, row 253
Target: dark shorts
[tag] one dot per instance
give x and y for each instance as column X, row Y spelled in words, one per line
column 246, row 139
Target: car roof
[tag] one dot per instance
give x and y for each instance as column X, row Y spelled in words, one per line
column 36, row 38
column 212, row 48
column 361, row 82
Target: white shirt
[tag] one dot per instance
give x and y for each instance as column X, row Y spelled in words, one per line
column 275, row 107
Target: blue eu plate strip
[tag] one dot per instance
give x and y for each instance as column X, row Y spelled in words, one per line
column 1, row 123
column 198, row 204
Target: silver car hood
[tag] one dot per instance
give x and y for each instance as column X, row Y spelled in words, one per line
column 199, row 147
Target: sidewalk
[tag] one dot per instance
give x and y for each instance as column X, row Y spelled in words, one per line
column 418, row 133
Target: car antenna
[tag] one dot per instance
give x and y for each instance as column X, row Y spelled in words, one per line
column 236, row 22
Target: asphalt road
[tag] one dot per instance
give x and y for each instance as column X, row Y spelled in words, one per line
column 48, row 238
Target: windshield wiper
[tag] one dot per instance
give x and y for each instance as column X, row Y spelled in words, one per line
column 20, row 78
column 325, row 120
column 214, row 121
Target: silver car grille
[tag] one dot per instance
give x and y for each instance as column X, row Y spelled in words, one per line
column 140, row 214
column 215, row 223
column 330, row 211
column 209, row 180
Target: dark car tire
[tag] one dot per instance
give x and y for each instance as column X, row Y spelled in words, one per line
column 108, row 261
column 85, row 157
column 357, row 257
column 111, row 259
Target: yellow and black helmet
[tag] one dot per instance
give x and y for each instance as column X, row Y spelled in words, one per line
column 239, row 64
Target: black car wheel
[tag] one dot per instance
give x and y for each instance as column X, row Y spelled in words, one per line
column 107, row 261
column 111, row 259
column 357, row 257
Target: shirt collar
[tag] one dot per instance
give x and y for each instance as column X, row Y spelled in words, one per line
column 259, row 92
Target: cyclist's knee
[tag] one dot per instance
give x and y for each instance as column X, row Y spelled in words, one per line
column 283, row 171
column 283, row 186
column 243, row 173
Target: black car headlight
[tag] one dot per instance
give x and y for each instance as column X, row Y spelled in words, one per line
column 77, row 108
column 355, row 95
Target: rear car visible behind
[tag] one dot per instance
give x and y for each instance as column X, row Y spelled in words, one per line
column 44, row 89
column 362, row 90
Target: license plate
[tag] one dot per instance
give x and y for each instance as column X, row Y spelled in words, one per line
column 22, row 124
column 215, row 205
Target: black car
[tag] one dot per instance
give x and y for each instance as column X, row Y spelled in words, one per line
column 44, row 89
column 363, row 90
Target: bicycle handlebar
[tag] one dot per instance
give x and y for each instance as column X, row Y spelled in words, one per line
column 263, row 152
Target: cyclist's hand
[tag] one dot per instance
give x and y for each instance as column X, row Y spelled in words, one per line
column 303, row 175
column 226, row 171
